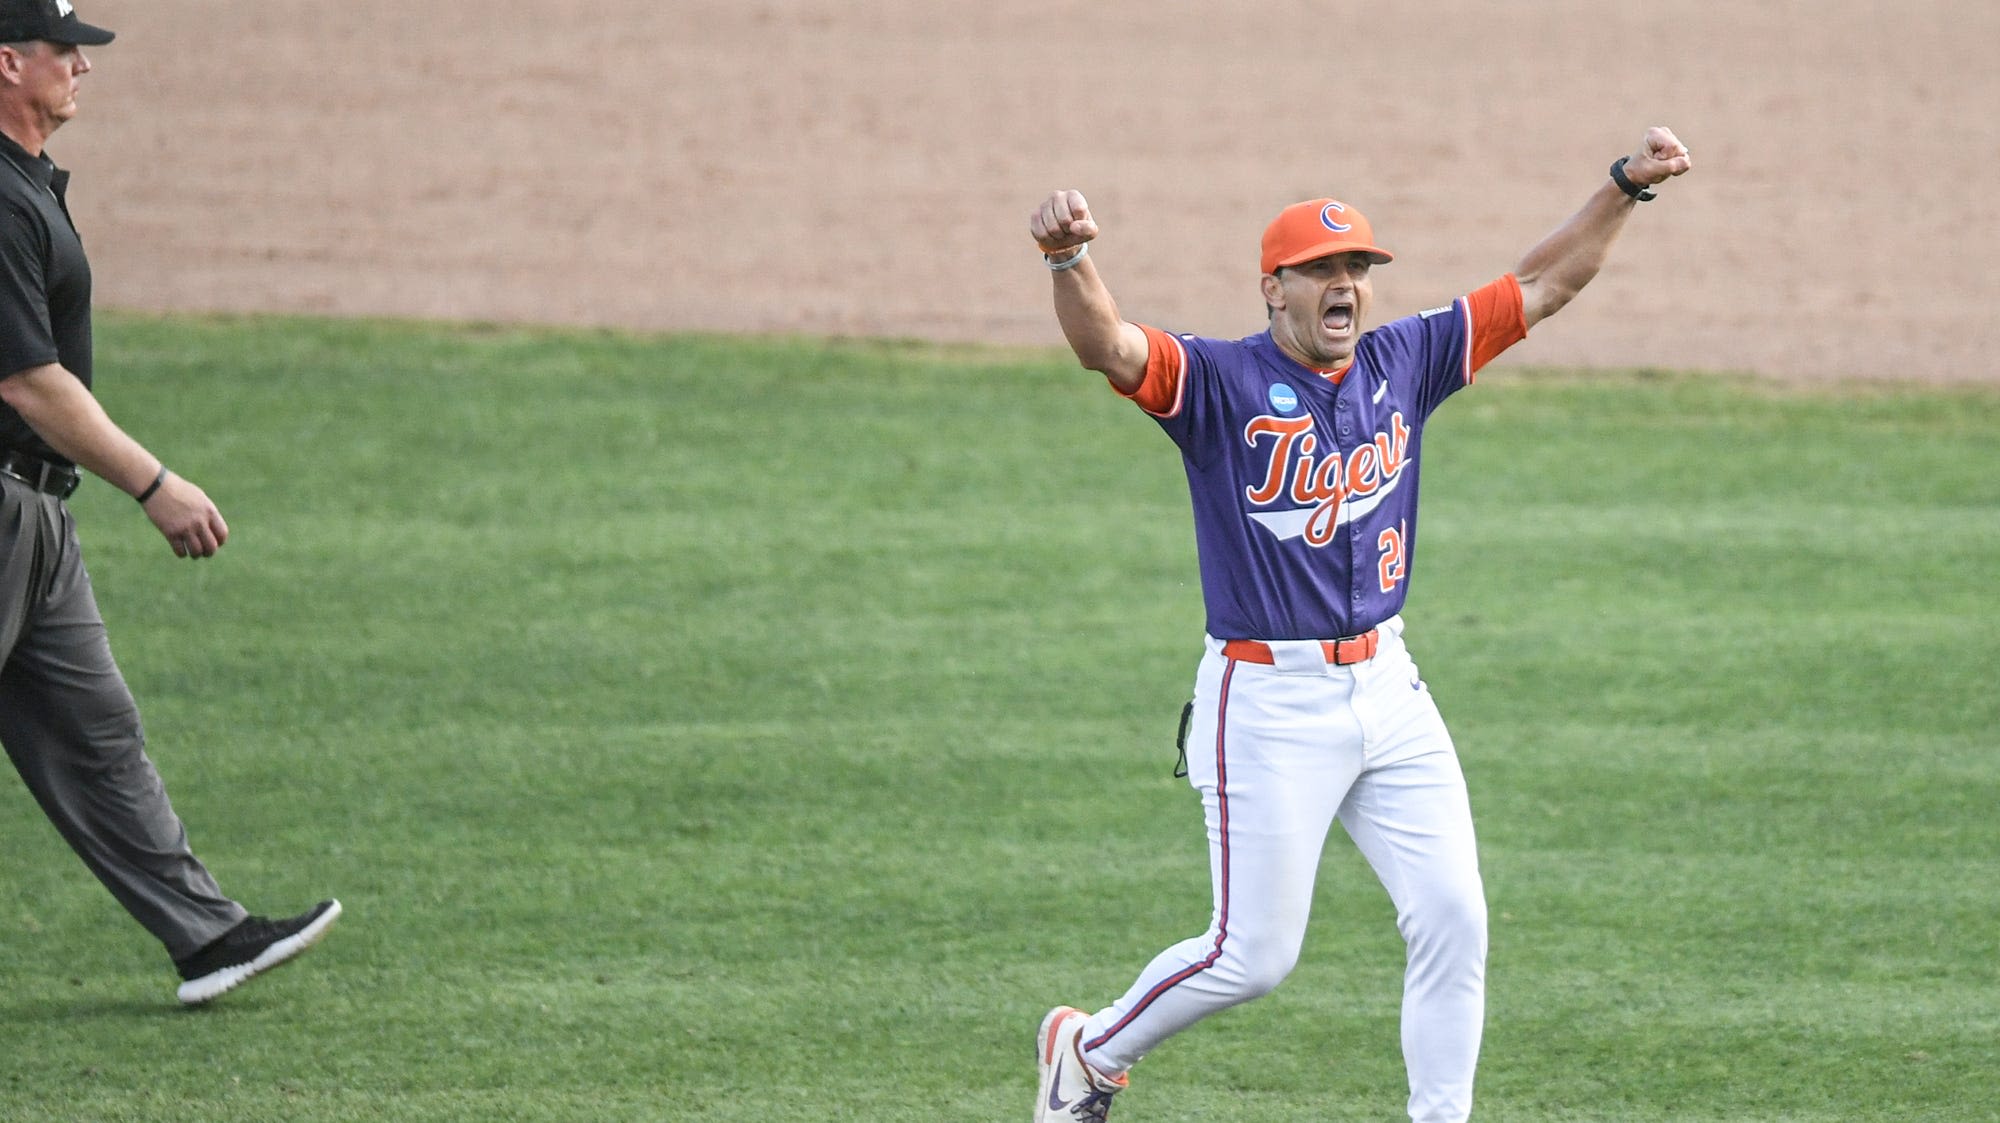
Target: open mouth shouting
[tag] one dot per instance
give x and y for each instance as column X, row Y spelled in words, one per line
column 1338, row 316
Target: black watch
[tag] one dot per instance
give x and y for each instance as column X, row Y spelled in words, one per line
column 1643, row 194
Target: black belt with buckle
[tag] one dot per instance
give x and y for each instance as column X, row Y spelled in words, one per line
column 53, row 479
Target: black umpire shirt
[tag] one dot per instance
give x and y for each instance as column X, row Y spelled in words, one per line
column 44, row 283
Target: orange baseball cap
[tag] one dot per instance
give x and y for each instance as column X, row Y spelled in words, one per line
column 1316, row 228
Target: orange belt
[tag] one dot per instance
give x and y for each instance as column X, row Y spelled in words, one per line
column 1341, row 652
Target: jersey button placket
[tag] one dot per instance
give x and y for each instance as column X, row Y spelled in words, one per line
column 1355, row 564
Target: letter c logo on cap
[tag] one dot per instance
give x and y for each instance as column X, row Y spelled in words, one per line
column 1326, row 218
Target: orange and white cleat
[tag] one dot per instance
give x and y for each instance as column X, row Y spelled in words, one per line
column 1071, row 1090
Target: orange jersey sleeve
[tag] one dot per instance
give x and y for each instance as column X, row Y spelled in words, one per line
column 1498, row 321
column 1159, row 393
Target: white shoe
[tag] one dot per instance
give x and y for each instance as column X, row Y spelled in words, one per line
column 1070, row 1089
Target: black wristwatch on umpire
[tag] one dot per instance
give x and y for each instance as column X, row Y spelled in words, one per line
column 1625, row 184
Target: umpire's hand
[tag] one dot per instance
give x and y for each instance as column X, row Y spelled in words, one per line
column 187, row 519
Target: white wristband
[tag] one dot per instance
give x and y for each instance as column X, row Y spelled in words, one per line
column 1069, row 262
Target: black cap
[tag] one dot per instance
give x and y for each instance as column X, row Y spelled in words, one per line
column 23, row 21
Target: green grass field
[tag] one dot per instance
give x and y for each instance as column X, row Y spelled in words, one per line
column 722, row 730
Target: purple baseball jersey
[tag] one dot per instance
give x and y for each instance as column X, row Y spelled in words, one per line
column 1305, row 482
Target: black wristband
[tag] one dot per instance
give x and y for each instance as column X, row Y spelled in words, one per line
column 1643, row 194
column 152, row 487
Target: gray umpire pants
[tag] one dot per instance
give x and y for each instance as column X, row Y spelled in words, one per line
column 72, row 729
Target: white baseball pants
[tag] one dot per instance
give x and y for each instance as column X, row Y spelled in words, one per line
column 1278, row 752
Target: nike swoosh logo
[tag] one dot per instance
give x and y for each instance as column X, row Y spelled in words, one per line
column 1291, row 524
column 1057, row 1103
column 1381, row 390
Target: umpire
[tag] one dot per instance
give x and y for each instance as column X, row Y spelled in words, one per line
column 66, row 717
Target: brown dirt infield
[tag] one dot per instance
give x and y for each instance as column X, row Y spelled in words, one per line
column 866, row 167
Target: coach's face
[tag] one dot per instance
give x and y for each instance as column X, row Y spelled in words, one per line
column 1317, row 307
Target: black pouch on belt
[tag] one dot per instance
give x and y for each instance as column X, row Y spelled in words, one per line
column 1180, row 742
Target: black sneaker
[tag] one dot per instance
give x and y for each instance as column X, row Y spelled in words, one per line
column 251, row 948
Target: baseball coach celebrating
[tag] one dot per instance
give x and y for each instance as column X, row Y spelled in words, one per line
column 1301, row 447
